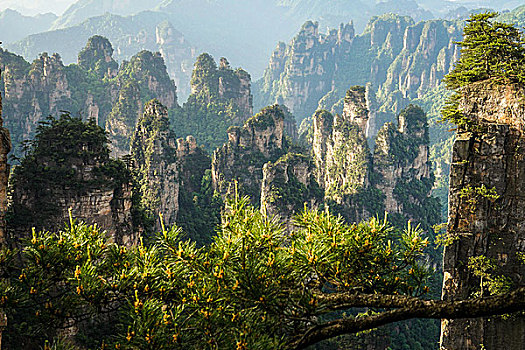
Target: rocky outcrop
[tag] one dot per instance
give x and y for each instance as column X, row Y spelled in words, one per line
column 396, row 178
column 288, row 185
column 169, row 175
column 355, row 108
column 402, row 168
column 121, row 122
column 388, row 55
column 242, row 158
column 223, row 85
column 299, row 75
column 150, row 73
column 485, row 227
column 154, row 157
column 47, row 87
column 340, row 148
column 178, row 55
column 220, row 97
column 68, row 172
column 5, row 148
column 97, row 57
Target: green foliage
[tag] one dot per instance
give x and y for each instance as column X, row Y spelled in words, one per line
column 208, row 112
column 287, row 191
column 490, row 50
column 54, row 161
column 143, row 68
column 200, row 211
column 93, row 57
column 255, row 287
column 474, row 195
column 486, row 269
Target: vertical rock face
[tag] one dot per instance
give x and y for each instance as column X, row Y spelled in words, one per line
column 33, row 91
column 68, row 169
column 220, row 97
column 396, row 178
column 5, row 147
column 289, row 184
column 47, row 87
column 192, row 161
column 178, row 55
column 486, row 213
column 229, row 86
column 120, row 124
column 340, row 148
column 242, row 158
column 402, row 169
column 97, row 57
column 388, row 55
column 304, row 71
column 150, row 73
column 355, row 108
column 154, row 155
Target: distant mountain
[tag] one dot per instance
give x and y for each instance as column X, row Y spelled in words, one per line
column 516, row 17
column 35, row 7
column 15, row 26
column 84, row 9
column 332, row 13
column 244, row 31
column 128, row 35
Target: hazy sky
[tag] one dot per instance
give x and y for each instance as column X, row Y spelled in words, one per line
column 32, row 7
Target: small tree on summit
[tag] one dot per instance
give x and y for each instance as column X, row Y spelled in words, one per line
column 490, row 49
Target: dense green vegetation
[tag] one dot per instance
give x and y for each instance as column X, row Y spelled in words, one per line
column 55, row 162
column 490, row 50
column 247, row 290
column 214, row 104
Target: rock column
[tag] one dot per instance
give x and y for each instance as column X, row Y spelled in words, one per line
column 5, row 147
column 486, row 227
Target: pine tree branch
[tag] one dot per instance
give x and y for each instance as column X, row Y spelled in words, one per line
column 409, row 308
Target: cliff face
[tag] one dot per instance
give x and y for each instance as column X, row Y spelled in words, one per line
column 123, row 118
column 486, row 215
column 68, row 169
column 178, row 54
column 220, row 97
column 5, row 148
column 169, row 171
column 95, row 89
column 397, row 177
column 210, row 82
column 33, row 92
column 97, row 57
column 242, row 158
column 300, row 74
column 288, row 185
column 388, row 55
column 150, row 73
column 402, row 168
column 154, row 156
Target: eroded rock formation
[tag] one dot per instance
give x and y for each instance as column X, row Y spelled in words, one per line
column 402, row 167
column 387, row 55
column 288, row 185
column 396, row 178
column 242, row 158
column 486, row 215
column 67, row 172
column 97, row 57
column 5, row 148
column 94, row 89
column 154, row 156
